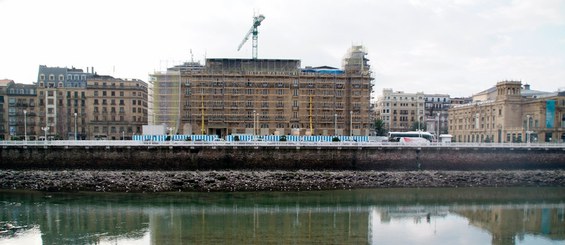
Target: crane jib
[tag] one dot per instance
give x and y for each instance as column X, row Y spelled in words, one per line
column 256, row 22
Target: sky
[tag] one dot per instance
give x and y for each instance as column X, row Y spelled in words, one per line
column 455, row 47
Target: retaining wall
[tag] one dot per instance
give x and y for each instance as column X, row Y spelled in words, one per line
column 271, row 157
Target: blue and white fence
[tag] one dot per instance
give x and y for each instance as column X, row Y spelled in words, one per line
column 297, row 138
column 176, row 137
column 246, row 137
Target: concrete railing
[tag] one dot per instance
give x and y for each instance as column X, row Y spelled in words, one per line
column 126, row 143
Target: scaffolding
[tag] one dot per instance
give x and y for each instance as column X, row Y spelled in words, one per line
column 355, row 61
column 263, row 96
column 165, row 99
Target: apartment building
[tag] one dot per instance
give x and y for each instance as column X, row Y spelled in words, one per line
column 265, row 96
column 400, row 110
column 117, row 108
column 73, row 104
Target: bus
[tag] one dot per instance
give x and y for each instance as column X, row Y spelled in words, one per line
column 395, row 136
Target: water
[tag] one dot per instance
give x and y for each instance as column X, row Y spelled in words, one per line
column 373, row 216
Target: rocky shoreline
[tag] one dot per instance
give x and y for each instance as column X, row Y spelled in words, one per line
column 301, row 180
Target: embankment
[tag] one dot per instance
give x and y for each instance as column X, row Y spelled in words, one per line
column 276, row 157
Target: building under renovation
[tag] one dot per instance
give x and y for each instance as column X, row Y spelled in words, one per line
column 264, row 97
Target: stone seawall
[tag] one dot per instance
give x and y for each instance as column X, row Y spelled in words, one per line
column 257, row 157
column 277, row 180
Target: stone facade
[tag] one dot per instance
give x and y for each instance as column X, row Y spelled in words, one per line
column 510, row 113
column 62, row 105
column 400, row 110
column 117, row 108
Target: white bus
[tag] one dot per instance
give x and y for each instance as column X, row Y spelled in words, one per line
column 395, row 136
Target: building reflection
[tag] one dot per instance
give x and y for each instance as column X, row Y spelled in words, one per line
column 77, row 222
column 291, row 225
column 506, row 224
column 89, row 219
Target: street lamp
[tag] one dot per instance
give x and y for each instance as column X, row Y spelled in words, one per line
column 335, row 124
column 46, row 128
column 171, row 129
column 75, row 126
column 528, row 134
column 438, row 130
column 254, row 125
column 25, row 125
column 350, row 124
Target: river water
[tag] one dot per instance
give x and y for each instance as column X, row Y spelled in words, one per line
column 366, row 216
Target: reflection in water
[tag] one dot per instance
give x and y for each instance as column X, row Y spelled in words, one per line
column 379, row 216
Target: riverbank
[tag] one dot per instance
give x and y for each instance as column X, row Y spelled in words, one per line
column 203, row 181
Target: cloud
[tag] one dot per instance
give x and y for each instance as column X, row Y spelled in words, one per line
column 438, row 46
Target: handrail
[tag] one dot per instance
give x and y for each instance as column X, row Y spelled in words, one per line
column 347, row 144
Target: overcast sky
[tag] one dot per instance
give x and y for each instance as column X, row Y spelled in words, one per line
column 456, row 47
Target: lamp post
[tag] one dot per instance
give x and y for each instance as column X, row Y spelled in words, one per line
column 25, row 125
column 351, row 124
column 254, row 125
column 75, row 126
column 438, row 130
column 46, row 128
column 528, row 135
column 171, row 129
column 335, row 124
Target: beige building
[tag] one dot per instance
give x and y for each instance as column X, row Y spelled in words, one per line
column 84, row 105
column 3, row 108
column 117, row 108
column 510, row 113
column 400, row 110
column 265, row 96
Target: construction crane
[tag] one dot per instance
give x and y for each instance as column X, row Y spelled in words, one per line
column 256, row 23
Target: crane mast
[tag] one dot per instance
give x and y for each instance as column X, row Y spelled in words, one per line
column 256, row 23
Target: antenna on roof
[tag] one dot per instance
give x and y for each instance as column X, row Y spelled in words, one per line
column 191, row 57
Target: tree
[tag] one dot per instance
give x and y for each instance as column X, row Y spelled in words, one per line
column 416, row 127
column 379, row 126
